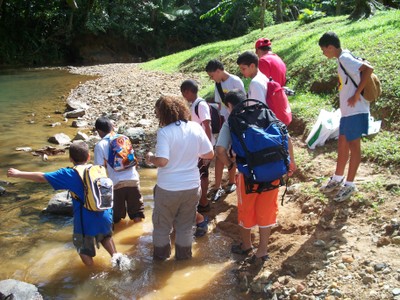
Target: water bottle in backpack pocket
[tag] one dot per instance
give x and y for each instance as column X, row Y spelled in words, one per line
column 98, row 188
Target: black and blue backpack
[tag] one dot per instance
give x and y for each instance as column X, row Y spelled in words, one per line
column 260, row 141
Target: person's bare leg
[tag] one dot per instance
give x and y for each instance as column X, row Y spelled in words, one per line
column 219, row 169
column 355, row 159
column 204, row 187
column 264, row 237
column 199, row 218
column 245, row 235
column 87, row 260
column 232, row 173
column 108, row 244
column 343, row 155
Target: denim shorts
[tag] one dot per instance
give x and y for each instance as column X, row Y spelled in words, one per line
column 353, row 127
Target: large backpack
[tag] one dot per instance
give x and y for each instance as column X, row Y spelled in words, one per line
column 372, row 89
column 121, row 155
column 98, row 188
column 216, row 119
column 278, row 102
column 260, row 142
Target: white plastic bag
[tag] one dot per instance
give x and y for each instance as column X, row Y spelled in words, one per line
column 326, row 127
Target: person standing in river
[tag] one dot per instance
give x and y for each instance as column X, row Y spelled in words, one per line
column 90, row 227
column 200, row 113
column 127, row 196
column 180, row 143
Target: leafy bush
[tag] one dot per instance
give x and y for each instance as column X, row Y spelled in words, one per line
column 307, row 15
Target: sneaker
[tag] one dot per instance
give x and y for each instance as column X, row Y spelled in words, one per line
column 201, row 228
column 218, row 194
column 345, row 193
column 331, row 185
column 230, row 188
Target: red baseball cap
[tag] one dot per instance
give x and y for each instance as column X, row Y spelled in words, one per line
column 263, row 42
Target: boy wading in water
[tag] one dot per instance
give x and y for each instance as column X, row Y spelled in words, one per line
column 90, row 228
column 355, row 115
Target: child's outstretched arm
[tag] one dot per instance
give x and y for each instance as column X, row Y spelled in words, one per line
column 34, row 176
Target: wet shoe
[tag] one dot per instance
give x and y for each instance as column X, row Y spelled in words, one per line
column 201, row 228
column 218, row 194
column 331, row 185
column 237, row 249
column 254, row 259
column 203, row 209
column 230, row 188
column 345, row 193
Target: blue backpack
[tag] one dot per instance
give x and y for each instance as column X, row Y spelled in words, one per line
column 260, row 141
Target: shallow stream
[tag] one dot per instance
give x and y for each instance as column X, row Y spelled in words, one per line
column 37, row 248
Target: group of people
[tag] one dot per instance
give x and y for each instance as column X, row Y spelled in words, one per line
column 185, row 146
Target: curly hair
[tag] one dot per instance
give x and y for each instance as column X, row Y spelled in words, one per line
column 171, row 109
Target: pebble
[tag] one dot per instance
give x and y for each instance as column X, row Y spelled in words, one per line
column 347, row 259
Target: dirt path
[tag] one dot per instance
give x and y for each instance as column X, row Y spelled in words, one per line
column 320, row 249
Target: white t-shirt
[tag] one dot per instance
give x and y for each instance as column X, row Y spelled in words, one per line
column 233, row 82
column 203, row 111
column 346, row 86
column 181, row 145
column 258, row 87
column 101, row 156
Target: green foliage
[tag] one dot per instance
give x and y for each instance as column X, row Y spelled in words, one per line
column 374, row 39
column 308, row 16
column 383, row 149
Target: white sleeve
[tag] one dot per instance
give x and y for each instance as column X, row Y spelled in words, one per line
column 99, row 155
column 256, row 91
column 162, row 146
column 204, row 111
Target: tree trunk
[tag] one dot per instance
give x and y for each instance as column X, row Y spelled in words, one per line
column 263, row 6
column 363, row 9
column 338, row 7
column 279, row 15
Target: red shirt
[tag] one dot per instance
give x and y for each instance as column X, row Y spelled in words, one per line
column 273, row 66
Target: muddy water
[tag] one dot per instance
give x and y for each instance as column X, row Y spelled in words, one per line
column 37, row 248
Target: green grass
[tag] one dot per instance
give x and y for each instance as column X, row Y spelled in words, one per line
column 376, row 39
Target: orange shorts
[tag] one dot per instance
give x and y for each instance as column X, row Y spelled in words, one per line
column 256, row 209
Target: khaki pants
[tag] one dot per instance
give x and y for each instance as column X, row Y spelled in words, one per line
column 174, row 209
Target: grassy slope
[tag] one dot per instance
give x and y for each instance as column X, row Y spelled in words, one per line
column 377, row 39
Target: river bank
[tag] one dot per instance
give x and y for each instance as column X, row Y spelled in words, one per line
column 320, row 249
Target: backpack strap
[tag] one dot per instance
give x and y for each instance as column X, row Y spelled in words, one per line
column 196, row 108
column 220, row 91
column 347, row 74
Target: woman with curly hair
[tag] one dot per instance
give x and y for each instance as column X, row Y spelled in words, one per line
column 180, row 143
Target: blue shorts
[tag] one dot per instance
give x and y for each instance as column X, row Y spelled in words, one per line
column 353, row 127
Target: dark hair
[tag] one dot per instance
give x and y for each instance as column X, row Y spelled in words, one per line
column 104, row 124
column 234, row 97
column 247, row 58
column 329, row 38
column 213, row 65
column 265, row 48
column 79, row 152
column 190, row 85
column 171, row 109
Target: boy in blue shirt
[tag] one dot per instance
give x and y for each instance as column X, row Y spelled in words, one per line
column 90, row 227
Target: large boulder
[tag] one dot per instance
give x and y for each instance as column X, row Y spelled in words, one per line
column 135, row 134
column 75, row 113
column 60, row 204
column 19, row 290
column 60, row 139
